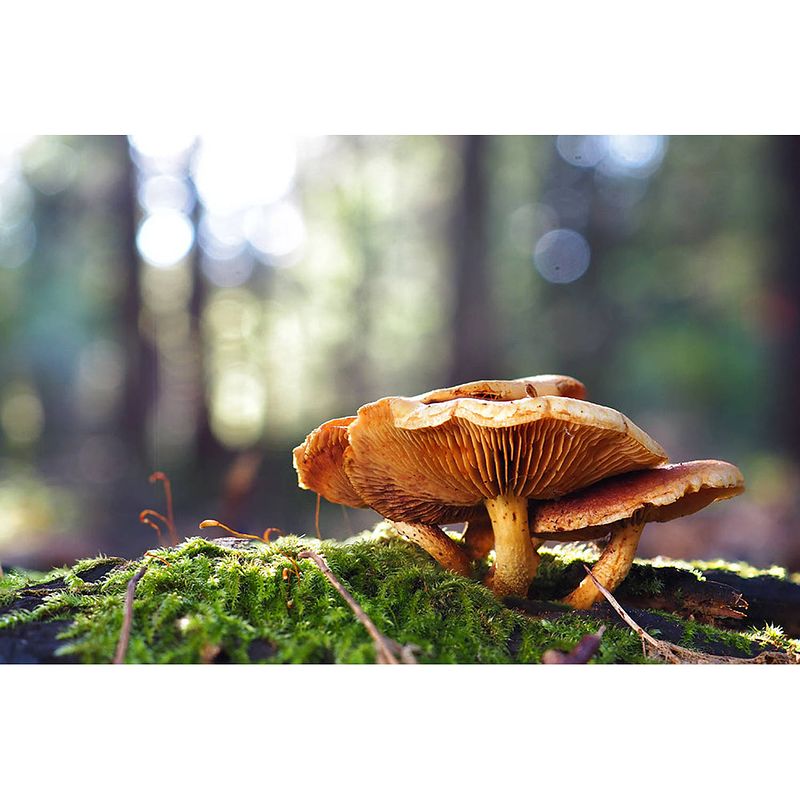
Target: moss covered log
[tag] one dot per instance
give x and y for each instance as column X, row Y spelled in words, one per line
column 238, row 601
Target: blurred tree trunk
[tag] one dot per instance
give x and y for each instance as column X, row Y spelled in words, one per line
column 474, row 325
column 785, row 297
column 140, row 357
column 207, row 447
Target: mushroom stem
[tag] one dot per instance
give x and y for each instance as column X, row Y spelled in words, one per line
column 478, row 538
column 611, row 568
column 516, row 561
column 436, row 543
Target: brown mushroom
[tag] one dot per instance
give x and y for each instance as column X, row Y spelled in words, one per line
column 319, row 463
column 445, row 456
column 622, row 505
column 320, row 468
column 319, row 460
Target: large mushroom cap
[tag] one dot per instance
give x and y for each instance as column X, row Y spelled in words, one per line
column 319, row 463
column 438, row 458
column 660, row 494
column 319, row 460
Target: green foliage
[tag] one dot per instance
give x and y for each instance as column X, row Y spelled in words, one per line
column 258, row 603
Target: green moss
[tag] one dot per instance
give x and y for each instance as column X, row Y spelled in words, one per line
column 258, row 603
column 13, row 579
column 736, row 567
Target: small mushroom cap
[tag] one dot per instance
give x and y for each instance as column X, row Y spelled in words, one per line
column 534, row 386
column 437, row 461
column 319, row 462
column 660, row 494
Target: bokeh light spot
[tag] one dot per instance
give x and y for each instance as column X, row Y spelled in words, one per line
column 16, row 245
column 22, row 415
column 50, row 165
column 634, row 155
column 562, row 256
column 228, row 272
column 238, row 172
column 238, row 405
column 161, row 152
column 276, row 230
column 165, row 238
column 582, row 151
column 162, row 192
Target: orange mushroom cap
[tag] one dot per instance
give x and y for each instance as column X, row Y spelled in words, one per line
column 660, row 494
column 438, row 461
column 319, row 460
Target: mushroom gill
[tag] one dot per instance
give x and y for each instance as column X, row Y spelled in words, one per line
column 449, row 460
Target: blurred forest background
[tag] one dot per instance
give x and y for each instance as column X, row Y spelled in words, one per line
column 197, row 305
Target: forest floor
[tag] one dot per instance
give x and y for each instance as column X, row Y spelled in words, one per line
column 236, row 601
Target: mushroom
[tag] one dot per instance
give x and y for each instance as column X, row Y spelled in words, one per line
column 621, row 506
column 494, row 445
column 319, row 460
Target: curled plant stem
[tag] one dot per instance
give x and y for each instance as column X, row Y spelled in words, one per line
column 387, row 650
column 144, row 518
column 170, row 518
column 213, row 523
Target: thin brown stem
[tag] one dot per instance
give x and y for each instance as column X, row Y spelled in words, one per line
column 643, row 634
column 144, row 518
column 213, row 523
column 674, row 653
column 127, row 615
column 170, row 519
column 388, row 651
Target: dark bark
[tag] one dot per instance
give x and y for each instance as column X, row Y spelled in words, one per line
column 207, row 447
column 474, row 319
column 140, row 357
column 785, row 297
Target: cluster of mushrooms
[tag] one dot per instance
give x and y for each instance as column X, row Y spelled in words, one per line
column 521, row 462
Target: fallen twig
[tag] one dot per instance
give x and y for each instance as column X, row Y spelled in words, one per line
column 580, row 654
column 127, row 618
column 643, row 634
column 388, row 650
column 674, row 653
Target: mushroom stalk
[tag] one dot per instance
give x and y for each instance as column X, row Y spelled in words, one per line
column 436, row 543
column 611, row 568
column 516, row 561
column 478, row 539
